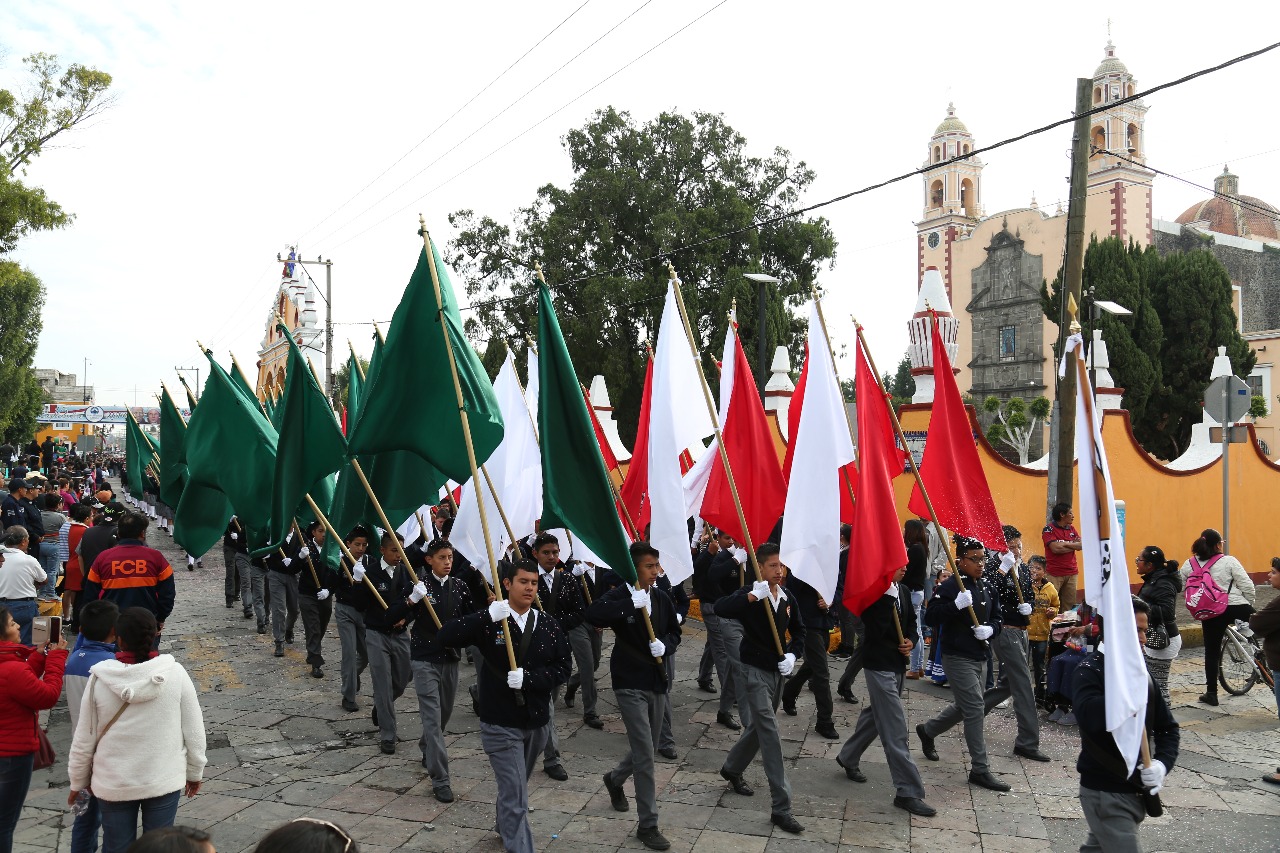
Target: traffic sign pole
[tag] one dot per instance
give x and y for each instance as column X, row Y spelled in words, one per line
column 1227, row 401
column 1226, row 465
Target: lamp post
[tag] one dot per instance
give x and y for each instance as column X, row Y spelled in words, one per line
column 761, row 343
column 1094, row 305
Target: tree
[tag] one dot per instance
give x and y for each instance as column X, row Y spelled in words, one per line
column 1016, row 423
column 342, row 379
column 1257, row 406
column 21, row 298
column 642, row 194
column 901, row 385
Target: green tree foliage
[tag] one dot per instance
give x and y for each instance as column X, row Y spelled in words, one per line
column 1257, row 406
column 21, row 299
column 639, row 191
column 901, row 385
column 342, row 378
column 1015, row 423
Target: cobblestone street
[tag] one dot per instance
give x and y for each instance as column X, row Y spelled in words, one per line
column 280, row 747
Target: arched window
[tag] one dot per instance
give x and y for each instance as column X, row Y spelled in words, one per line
column 1128, row 91
column 966, row 148
column 1131, row 138
column 937, row 154
column 935, row 194
column 1097, row 94
column 968, row 198
column 1099, row 138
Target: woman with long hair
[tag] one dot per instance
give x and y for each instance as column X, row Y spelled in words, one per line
column 140, row 738
column 1161, row 584
column 1230, row 576
column 916, row 537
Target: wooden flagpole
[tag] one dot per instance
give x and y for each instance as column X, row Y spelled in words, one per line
column 310, row 565
column 346, row 552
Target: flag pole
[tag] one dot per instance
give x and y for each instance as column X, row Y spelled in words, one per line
column 613, row 488
column 191, row 398
column 915, row 472
column 724, row 454
column 466, row 432
column 310, row 565
column 346, row 552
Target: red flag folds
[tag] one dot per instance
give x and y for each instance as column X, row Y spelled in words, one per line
column 876, row 548
column 635, row 488
column 950, row 469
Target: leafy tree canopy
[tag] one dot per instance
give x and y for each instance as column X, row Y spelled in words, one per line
column 21, row 299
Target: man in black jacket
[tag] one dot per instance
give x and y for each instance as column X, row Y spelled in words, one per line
column 315, row 604
column 586, row 641
column 561, row 597
column 964, row 658
column 236, row 583
column 706, row 550
column 353, row 598
column 1110, row 796
column 385, row 636
column 101, row 536
column 639, row 682
column 885, row 662
column 814, row 611
column 726, row 575
column 761, row 687
column 283, row 567
column 515, row 705
column 667, row 739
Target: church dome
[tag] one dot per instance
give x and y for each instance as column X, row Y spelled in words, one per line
column 1110, row 63
column 951, row 124
column 1253, row 217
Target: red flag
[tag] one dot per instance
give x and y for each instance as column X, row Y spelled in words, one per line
column 876, row 549
column 950, row 469
column 610, row 460
column 748, row 442
column 635, row 488
column 344, row 420
column 848, row 475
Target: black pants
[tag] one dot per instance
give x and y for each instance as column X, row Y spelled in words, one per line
column 815, row 668
column 852, row 632
column 1214, row 630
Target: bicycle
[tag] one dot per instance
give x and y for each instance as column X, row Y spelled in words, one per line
column 1243, row 664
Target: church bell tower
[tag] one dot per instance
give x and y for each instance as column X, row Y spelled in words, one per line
column 1119, row 202
column 952, row 195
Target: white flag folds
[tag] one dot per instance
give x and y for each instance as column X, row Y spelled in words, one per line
column 811, row 537
column 1106, row 574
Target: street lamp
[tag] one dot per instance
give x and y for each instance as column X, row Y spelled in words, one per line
column 1094, row 304
column 761, row 280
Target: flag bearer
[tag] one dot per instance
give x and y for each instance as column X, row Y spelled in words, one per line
column 282, row 577
column 386, row 639
column 315, row 602
column 561, row 597
column 586, row 640
column 353, row 597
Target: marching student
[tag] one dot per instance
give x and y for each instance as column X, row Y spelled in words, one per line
column 885, row 663
column 515, row 705
column 314, row 601
column 385, row 637
column 704, row 552
column 640, row 683
column 353, row 597
column 561, row 597
column 816, row 615
column 283, row 566
column 761, row 686
column 237, row 583
column 666, row 738
column 586, row 641
column 435, row 667
column 726, row 575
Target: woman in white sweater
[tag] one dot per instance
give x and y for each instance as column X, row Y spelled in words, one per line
column 140, row 741
column 1228, row 574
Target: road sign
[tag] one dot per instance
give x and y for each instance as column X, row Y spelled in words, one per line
column 1230, row 406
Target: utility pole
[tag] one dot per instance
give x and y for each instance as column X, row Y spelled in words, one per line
column 182, row 370
column 328, row 314
column 1065, row 421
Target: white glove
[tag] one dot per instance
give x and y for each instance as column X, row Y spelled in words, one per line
column 1153, row 776
column 235, row 536
column 579, row 569
column 964, row 599
column 515, row 678
column 1007, row 562
column 358, row 572
column 322, row 595
column 640, row 599
column 499, row 610
column 983, row 632
column 760, row 589
column 286, row 561
column 787, row 663
column 419, row 592
column 679, row 619
column 303, row 553
column 657, row 649
column 1024, row 609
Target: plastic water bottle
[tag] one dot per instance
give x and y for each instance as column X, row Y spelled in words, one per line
column 81, row 805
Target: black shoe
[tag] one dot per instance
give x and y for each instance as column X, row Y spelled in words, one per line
column 288, row 637
column 847, row 695
column 707, row 687
column 653, row 839
column 1209, row 699
column 443, row 794
column 986, row 780
column 617, row 797
column 557, row 772
column 375, row 717
column 1031, row 754
column 669, row 752
column 279, row 650
column 262, row 628
column 852, row 773
column 915, row 806
column 926, row 744
column 230, row 604
column 248, row 614
column 316, row 672
column 787, row 823
column 349, row 706
column 736, row 782
column 569, row 690
column 827, row 730
column 475, row 700
column 726, row 719
column 789, row 707
column 594, row 721
column 388, row 747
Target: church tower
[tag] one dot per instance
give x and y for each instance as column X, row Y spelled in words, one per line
column 952, row 196
column 1119, row 202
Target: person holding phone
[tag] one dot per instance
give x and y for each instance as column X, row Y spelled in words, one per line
column 20, row 576
column 30, row 682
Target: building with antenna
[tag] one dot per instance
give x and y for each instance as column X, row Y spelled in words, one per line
column 297, row 302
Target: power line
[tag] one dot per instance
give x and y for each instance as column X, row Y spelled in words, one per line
column 452, row 116
column 1234, row 199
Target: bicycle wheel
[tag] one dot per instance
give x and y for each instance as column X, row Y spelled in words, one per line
column 1260, row 659
column 1236, row 671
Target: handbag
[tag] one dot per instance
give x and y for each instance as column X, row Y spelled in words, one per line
column 1157, row 637
column 45, row 756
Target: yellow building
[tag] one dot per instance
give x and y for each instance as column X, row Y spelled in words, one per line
column 297, row 304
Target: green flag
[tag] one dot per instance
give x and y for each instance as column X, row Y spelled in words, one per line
column 140, row 451
column 173, row 460
column 355, row 386
column 310, row 450
column 575, row 488
column 231, row 461
column 410, row 403
column 241, row 381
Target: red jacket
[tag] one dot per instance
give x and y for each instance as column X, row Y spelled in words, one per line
column 29, row 683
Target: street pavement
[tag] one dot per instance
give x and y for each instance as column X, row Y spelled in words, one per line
column 279, row 747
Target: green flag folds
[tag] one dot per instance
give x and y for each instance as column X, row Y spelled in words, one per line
column 173, row 460
column 141, row 451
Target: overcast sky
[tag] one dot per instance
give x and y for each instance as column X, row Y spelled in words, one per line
column 243, row 127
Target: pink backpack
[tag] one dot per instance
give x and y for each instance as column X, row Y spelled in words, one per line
column 1205, row 599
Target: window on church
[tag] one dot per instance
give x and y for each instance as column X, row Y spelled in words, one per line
column 1131, row 138
column 937, row 155
column 1099, row 140
column 967, row 200
column 1008, row 343
column 935, row 194
column 1097, row 94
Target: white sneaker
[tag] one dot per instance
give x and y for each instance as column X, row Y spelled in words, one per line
column 1005, row 704
column 1068, row 719
column 1056, row 715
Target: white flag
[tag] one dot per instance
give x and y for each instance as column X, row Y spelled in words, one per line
column 677, row 419
column 531, row 387
column 811, row 536
column 697, row 477
column 1106, row 574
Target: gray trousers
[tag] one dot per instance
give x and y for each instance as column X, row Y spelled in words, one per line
column 884, row 717
column 667, row 738
column 389, row 669
column 1013, row 650
column 284, row 603
column 641, row 712
column 586, row 644
column 315, row 621
column 761, row 693
column 258, row 591
column 1113, row 821
column 720, row 655
column 355, row 654
column 512, row 754
column 814, row 670
column 244, row 571
column 551, row 751
column 436, row 685
column 707, row 663
column 852, row 634
column 965, row 676
column 231, row 578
